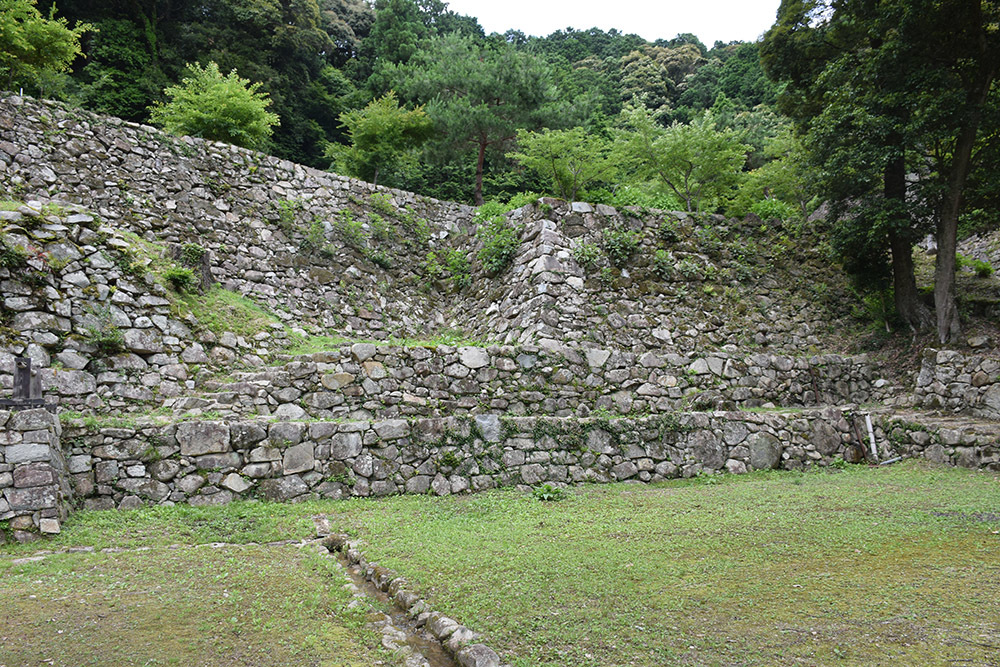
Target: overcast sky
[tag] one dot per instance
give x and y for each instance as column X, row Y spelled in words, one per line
column 710, row 20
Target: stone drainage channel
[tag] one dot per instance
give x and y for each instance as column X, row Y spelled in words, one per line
column 421, row 636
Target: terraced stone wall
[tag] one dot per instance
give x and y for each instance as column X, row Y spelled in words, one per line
column 959, row 383
column 365, row 381
column 212, row 462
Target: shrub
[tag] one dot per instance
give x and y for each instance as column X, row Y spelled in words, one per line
column 499, row 237
column 620, row 245
column 191, row 254
column 769, row 209
column 662, row 264
column 221, row 108
column 180, row 278
column 351, row 231
column 979, row 267
column 382, row 203
column 587, row 255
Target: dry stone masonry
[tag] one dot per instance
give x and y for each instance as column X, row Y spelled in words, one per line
column 573, row 367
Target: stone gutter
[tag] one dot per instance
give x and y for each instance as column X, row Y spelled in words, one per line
column 456, row 638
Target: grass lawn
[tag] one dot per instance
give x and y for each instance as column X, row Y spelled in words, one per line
column 891, row 566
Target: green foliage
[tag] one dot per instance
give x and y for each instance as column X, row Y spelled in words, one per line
column 979, row 267
column 104, row 334
column 285, row 213
column 619, row 245
column 351, row 231
column 500, row 239
column 458, row 267
column 477, row 94
column 181, row 278
column 548, row 493
column 221, row 108
column 700, row 164
column 587, row 255
column 383, row 139
column 662, row 264
column 192, row 254
column 522, row 199
column 771, row 209
column 33, row 47
column 570, row 160
column 12, row 257
column 668, row 231
column 381, row 202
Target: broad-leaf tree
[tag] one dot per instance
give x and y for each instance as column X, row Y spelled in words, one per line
column 697, row 162
column 891, row 96
column 222, row 108
column 33, row 46
column 383, row 138
column 569, row 160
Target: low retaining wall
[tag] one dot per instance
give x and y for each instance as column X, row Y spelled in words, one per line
column 214, row 462
column 959, row 383
column 364, row 381
column 34, row 486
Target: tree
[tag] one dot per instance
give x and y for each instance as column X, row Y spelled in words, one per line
column 478, row 95
column 570, row 159
column 222, row 108
column 32, row 46
column 891, row 94
column 697, row 162
column 383, row 137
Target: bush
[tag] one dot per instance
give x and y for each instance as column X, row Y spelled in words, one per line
column 662, row 264
column 620, row 245
column 500, row 238
column 216, row 107
column 587, row 255
column 979, row 267
column 180, row 278
column 769, row 209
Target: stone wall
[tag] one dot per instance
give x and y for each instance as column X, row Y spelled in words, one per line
column 365, row 381
column 34, row 489
column 959, row 383
column 213, row 462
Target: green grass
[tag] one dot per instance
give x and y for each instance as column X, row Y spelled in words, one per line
column 220, row 310
column 244, row 604
column 896, row 565
column 846, row 568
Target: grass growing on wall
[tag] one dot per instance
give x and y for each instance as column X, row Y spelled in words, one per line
column 220, row 310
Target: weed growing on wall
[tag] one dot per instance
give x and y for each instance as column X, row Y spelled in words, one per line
column 587, row 255
column 499, row 236
column 620, row 245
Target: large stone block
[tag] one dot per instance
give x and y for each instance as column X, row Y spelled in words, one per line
column 765, row 451
column 28, row 452
column 35, row 498
column 198, row 438
column 298, row 458
column 707, row 449
column 345, row 446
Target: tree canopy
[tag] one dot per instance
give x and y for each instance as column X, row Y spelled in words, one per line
column 222, row 108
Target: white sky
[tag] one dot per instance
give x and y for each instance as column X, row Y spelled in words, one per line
column 710, row 20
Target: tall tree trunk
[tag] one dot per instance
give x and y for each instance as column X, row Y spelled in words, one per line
column 949, row 326
column 479, row 173
column 905, row 295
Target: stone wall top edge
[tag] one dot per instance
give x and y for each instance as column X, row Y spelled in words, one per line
column 271, row 160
